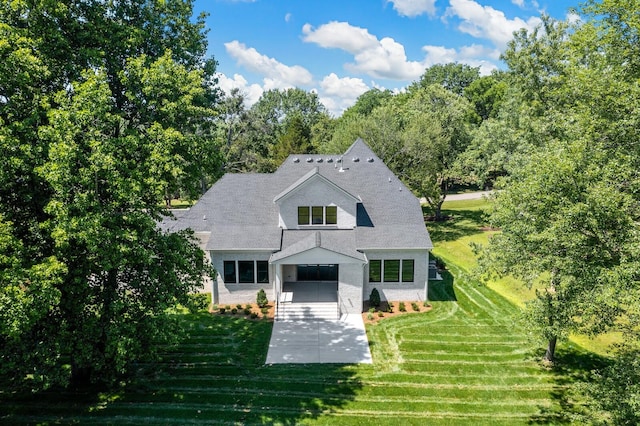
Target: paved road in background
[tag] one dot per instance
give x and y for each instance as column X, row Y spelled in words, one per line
column 468, row 196
column 464, row 196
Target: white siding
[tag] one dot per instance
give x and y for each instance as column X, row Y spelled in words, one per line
column 317, row 192
column 350, row 279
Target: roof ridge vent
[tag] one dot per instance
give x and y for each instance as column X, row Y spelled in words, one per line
column 355, row 159
column 296, row 160
column 370, row 160
column 309, row 160
column 319, row 160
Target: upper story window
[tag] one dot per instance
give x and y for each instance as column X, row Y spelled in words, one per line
column 317, row 215
column 303, row 215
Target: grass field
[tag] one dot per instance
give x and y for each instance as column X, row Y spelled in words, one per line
column 467, row 361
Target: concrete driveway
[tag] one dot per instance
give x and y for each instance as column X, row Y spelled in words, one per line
column 315, row 341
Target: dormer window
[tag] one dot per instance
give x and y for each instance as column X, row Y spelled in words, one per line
column 317, row 215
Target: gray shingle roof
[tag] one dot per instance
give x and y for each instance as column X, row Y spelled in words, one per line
column 240, row 213
column 338, row 241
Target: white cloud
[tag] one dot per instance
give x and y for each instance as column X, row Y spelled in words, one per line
column 378, row 58
column 486, row 22
column 340, row 35
column 338, row 94
column 519, row 3
column 251, row 92
column 276, row 74
column 474, row 55
column 413, row 8
column 288, row 17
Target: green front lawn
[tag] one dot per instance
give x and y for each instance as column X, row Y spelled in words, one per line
column 467, row 361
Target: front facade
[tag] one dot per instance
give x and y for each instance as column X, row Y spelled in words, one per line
column 342, row 222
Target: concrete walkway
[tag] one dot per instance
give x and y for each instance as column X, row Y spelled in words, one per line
column 315, row 341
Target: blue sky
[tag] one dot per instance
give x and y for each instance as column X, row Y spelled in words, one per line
column 341, row 49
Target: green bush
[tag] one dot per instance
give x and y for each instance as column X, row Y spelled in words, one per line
column 402, row 307
column 264, row 310
column 415, row 307
column 199, row 302
column 234, row 311
column 247, row 311
column 222, row 310
column 261, row 298
column 374, row 298
column 239, row 307
column 390, row 308
column 380, row 314
column 254, row 315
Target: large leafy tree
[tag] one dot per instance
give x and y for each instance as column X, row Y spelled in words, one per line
column 452, row 76
column 263, row 125
column 436, row 133
column 105, row 108
column 568, row 212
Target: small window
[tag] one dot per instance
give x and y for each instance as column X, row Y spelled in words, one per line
column 407, row 270
column 303, row 215
column 262, row 267
column 375, row 271
column 392, row 271
column 245, row 271
column 331, row 215
column 230, row 271
column 317, row 215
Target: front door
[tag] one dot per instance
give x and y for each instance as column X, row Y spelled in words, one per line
column 318, row 273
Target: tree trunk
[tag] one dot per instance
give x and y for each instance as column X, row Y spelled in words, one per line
column 550, row 355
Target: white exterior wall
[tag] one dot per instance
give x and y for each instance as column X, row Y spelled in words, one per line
column 232, row 293
column 350, row 279
column 317, row 193
column 203, row 239
column 415, row 290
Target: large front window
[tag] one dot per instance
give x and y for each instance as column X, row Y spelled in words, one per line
column 229, row 271
column 245, row 271
column 375, row 271
column 262, row 267
column 391, row 270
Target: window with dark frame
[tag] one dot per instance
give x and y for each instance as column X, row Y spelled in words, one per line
column 245, row 271
column 391, row 270
column 303, row 215
column 375, row 271
column 229, row 271
column 317, row 215
column 262, row 271
column 331, row 215
column 407, row 270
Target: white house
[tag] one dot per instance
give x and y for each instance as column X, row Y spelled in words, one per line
column 343, row 222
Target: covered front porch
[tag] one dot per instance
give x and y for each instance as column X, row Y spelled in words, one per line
column 317, row 275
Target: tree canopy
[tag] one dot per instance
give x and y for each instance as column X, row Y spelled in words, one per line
column 105, row 108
